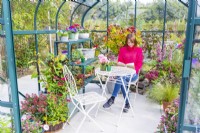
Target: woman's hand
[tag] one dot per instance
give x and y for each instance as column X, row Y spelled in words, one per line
column 120, row 64
column 130, row 65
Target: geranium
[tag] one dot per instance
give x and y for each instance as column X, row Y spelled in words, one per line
column 169, row 120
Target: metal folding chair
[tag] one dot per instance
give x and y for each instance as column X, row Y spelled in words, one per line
column 80, row 100
column 135, row 83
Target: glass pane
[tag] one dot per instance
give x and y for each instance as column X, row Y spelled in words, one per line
column 192, row 114
column 198, row 8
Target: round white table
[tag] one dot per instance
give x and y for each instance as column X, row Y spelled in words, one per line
column 116, row 71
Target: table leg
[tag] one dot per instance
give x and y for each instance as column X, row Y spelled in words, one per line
column 126, row 97
column 103, row 87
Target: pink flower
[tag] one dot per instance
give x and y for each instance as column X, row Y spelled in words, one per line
column 103, row 59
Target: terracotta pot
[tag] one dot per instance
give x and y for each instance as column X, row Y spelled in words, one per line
column 165, row 105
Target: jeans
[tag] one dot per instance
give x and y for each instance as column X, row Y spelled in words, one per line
column 119, row 85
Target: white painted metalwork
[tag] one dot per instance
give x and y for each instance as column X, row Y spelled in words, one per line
column 79, row 100
column 117, row 71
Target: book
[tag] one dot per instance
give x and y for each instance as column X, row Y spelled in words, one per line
column 130, row 65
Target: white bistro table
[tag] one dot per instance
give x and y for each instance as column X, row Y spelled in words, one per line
column 119, row 72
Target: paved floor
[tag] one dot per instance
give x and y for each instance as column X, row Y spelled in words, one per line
column 145, row 120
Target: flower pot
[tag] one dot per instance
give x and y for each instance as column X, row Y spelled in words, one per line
column 64, row 38
column 73, row 36
column 103, row 67
column 165, row 105
column 88, row 52
column 82, row 60
column 55, row 127
column 83, row 35
column 108, row 68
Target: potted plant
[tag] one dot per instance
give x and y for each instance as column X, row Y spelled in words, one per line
column 109, row 65
column 163, row 93
column 89, row 70
column 52, row 78
column 30, row 125
column 63, row 35
column 169, row 120
column 103, row 60
column 73, row 31
column 84, row 33
column 76, row 56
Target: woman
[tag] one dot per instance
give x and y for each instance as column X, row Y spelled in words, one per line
column 130, row 55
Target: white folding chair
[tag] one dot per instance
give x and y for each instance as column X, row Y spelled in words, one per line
column 80, row 100
column 135, row 83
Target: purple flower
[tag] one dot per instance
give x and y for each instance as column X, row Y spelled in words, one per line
column 194, row 62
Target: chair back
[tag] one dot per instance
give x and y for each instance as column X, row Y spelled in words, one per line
column 70, row 82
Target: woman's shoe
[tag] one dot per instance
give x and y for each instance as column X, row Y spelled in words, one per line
column 126, row 107
column 108, row 103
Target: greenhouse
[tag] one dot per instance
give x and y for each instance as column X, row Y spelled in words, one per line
column 90, row 66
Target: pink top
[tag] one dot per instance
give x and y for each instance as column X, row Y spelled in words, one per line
column 131, row 55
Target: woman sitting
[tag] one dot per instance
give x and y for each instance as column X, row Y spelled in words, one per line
column 130, row 55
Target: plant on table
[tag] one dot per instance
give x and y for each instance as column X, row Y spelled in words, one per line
column 103, row 60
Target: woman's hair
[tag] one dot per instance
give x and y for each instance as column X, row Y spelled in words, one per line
column 129, row 37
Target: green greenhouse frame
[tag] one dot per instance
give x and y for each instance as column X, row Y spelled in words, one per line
column 8, row 33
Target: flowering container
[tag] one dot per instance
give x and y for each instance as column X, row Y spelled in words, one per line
column 83, row 35
column 88, row 52
column 55, row 127
column 64, row 38
column 103, row 67
column 73, row 36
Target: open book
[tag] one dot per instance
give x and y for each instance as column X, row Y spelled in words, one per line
column 130, row 65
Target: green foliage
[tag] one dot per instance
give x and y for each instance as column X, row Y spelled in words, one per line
column 89, row 69
column 53, row 80
column 62, row 33
column 150, row 42
column 155, row 11
column 5, row 125
column 163, row 92
column 77, row 54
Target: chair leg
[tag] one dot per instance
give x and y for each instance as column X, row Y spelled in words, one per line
column 82, row 110
column 77, row 131
column 136, row 91
column 67, row 122
column 97, row 110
